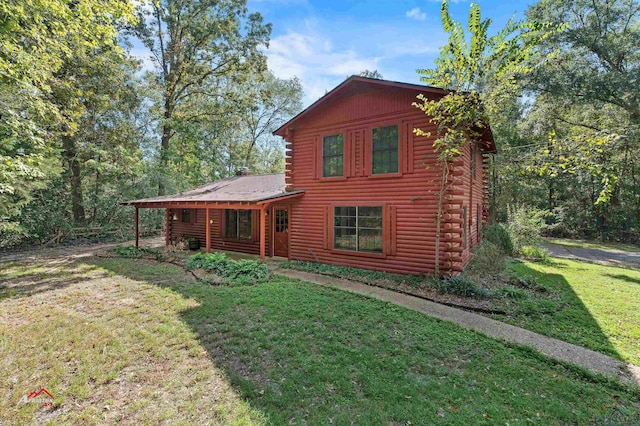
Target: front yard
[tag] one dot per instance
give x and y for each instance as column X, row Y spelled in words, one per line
column 144, row 343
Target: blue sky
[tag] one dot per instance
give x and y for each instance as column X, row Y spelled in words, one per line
column 324, row 41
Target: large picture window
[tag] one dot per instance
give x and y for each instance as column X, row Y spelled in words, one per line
column 385, row 150
column 333, row 156
column 237, row 224
column 358, row 229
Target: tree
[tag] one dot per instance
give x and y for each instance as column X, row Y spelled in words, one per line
column 480, row 76
column 371, row 74
column 201, row 49
column 36, row 39
column 274, row 101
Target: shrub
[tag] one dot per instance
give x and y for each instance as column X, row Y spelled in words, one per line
column 533, row 253
column 488, row 261
column 512, row 292
column 499, row 235
column 461, row 286
column 239, row 272
column 526, row 226
column 252, row 270
column 218, row 263
column 128, row 251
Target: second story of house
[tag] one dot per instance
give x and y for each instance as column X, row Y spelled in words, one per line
column 361, row 131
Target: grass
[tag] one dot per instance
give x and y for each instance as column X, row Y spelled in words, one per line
column 596, row 306
column 594, row 244
column 133, row 340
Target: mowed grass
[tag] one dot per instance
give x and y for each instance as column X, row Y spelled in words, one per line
column 596, row 306
column 140, row 342
column 594, row 244
column 110, row 349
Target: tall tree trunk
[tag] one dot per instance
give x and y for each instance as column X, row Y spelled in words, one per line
column 75, row 179
column 164, row 145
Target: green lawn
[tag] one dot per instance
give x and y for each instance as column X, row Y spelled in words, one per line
column 593, row 305
column 132, row 340
column 594, row 244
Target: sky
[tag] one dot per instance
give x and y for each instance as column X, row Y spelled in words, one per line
column 324, row 41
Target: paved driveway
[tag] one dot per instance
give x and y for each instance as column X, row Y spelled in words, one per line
column 604, row 257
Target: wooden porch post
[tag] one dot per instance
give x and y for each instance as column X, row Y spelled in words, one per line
column 207, row 229
column 166, row 227
column 263, row 233
column 137, row 229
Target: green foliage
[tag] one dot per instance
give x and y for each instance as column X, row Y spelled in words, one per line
column 525, row 227
column 248, row 271
column 461, row 286
column 533, row 253
column 512, row 292
column 499, row 235
column 218, row 263
column 487, row 263
column 240, row 272
column 129, row 251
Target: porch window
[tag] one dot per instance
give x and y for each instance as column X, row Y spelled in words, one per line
column 385, row 150
column 237, row 224
column 185, row 216
column 333, row 156
column 358, row 229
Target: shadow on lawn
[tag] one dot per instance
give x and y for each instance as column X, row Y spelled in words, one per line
column 623, row 277
column 557, row 311
column 17, row 279
column 309, row 356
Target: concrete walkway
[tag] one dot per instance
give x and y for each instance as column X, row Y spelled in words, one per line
column 594, row 361
column 608, row 257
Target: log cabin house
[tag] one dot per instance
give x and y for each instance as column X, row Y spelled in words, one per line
column 360, row 189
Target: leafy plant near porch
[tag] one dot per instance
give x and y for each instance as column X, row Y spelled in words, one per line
column 481, row 75
column 245, row 271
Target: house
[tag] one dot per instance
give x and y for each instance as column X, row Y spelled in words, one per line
column 360, row 189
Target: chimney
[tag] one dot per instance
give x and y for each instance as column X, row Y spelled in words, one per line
column 243, row 171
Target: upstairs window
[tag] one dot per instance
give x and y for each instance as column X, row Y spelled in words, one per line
column 358, row 229
column 237, row 224
column 385, row 150
column 333, row 156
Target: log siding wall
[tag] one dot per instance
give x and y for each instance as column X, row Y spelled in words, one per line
column 409, row 198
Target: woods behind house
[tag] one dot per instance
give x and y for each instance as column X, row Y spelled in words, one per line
column 85, row 124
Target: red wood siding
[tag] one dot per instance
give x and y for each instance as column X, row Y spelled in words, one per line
column 218, row 242
column 409, row 198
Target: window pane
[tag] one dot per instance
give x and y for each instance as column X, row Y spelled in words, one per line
column 244, row 224
column 333, row 156
column 385, row 150
column 370, row 240
column 230, row 224
column 185, row 216
column 345, row 238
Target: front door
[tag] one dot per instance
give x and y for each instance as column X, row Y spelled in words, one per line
column 281, row 232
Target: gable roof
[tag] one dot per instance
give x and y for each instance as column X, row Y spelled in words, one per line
column 355, row 85
column 246, row 188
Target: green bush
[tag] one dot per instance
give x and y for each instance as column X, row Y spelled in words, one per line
column 461, row 286
column 238, row 272
column 217, row 262
column 253, row 270
column 128, row 251
column 500, row 236
column 526, row 226
column 488, row 261
column 533, row 253
column 512, row 292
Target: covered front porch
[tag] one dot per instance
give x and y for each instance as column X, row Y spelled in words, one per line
column 240, row 214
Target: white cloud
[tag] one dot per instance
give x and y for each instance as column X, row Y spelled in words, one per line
column 416, row 14
column 312, row 58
